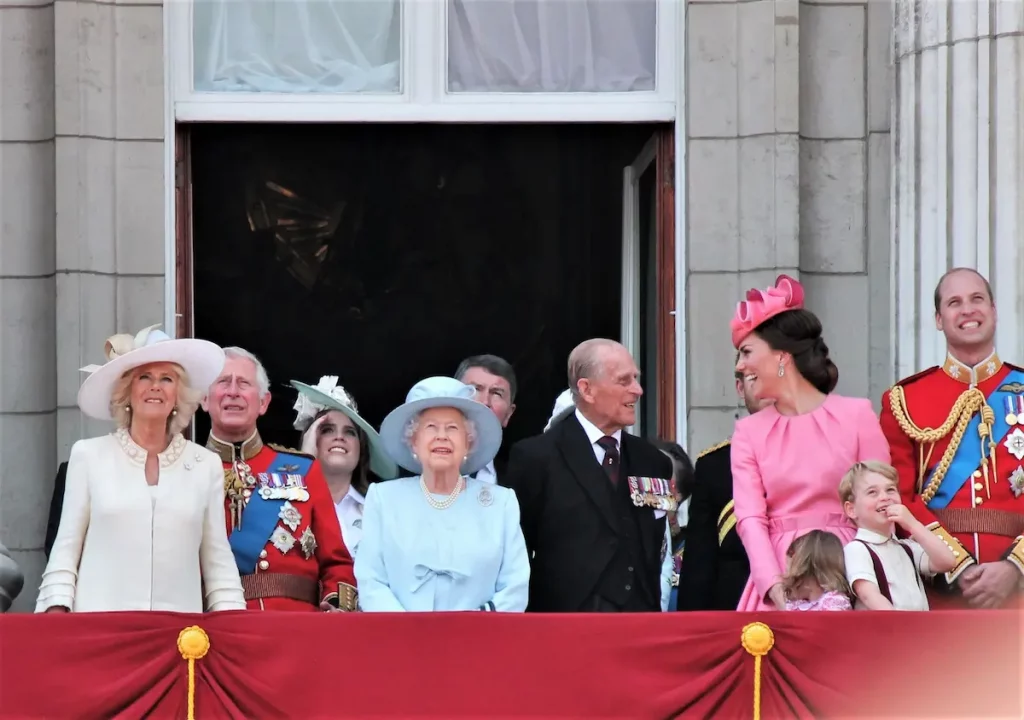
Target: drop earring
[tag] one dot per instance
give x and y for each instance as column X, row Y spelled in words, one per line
column 174, row 411
column 782, row 369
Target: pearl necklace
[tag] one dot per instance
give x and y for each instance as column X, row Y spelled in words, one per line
column 448, row 501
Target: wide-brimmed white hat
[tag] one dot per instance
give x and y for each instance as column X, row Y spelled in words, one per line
column 437, row 392
column 328, row 395
column 202, row 361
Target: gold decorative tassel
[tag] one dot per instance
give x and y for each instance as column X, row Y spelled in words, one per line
column 757, row 639
column 193, row 644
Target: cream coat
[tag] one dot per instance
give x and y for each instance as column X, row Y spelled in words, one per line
column 123, row 545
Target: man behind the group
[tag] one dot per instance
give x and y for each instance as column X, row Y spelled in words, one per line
column 586, row 492
column 495, row 383
column 715, row 567
column 282, row 525
column 956, row 434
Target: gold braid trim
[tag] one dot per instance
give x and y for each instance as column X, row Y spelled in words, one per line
column 969, row 402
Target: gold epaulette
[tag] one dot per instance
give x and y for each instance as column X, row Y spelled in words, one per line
column 711, row 449
column 290, row 451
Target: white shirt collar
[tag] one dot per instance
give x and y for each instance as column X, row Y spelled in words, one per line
column 593, row 432
column 872, row 537
column 353, row 496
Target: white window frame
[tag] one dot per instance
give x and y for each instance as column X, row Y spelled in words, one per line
column 432, row 103
column 631, row 302
column 424, row 96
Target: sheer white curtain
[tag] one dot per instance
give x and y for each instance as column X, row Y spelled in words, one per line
column 297, row 46
column 551, row 45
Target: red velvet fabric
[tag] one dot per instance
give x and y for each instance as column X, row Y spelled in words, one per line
column 294, row 665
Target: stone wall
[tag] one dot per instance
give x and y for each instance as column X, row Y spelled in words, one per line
column 28, row 393
column 788, row 171
column 82, row 213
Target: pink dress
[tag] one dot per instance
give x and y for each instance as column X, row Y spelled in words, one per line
column 830, row 600
column 785, row 477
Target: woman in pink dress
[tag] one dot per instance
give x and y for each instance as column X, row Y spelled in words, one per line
column 787, row 460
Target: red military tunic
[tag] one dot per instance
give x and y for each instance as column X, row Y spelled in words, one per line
column 976, row 504
column 303, row 561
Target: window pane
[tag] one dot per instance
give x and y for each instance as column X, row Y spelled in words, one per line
column 551, row 45
column 297, row 46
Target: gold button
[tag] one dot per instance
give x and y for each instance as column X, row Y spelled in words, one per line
column 263, row 553
column 264, row 564
column 977, row 473
column 978, row 486
column 956, row 553
column 977, row 501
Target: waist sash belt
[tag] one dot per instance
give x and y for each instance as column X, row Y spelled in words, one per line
column 980, row 520
column 280, row 585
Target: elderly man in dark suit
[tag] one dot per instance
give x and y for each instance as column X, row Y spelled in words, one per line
column 593, row 498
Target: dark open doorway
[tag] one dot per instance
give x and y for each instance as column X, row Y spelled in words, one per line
column 384, row 254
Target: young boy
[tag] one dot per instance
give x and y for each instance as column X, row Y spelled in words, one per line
column 885, row 573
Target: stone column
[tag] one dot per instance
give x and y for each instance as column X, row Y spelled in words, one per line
column 742, row 184
column 28, row 399
column 787, row 171
column 110, row 187
column 844, row 184
column 958, row 180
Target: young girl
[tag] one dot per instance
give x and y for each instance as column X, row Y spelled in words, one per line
column 815, row 576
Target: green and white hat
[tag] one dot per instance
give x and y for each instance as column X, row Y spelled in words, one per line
column 328, row 395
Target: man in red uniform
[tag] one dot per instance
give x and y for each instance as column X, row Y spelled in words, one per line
column 281, row 520
column 956, row 433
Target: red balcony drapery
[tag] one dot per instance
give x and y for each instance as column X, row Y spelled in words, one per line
column 954, row 664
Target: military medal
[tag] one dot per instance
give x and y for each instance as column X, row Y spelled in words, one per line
column 308, row 543
column 1015, row 443
column 650, row 492
column 1014, row 409
column 1017, row 481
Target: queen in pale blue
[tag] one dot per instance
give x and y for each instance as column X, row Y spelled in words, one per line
column 441, row 540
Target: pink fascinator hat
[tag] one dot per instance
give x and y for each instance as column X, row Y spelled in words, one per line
column 761, row 305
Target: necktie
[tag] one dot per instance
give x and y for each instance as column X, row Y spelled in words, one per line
column 611, row 457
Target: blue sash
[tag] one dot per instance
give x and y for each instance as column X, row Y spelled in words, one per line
column 968, row 456
column 260, row 516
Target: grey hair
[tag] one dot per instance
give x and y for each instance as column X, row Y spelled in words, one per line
column 409, row 431
column 262, row 379
column 585, row 363
column 188, row 401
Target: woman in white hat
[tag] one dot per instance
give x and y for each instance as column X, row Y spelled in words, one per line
column 441, row 540
column 349, row 450
column 143, row 525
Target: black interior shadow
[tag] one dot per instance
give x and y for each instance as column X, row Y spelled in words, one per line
column 386, row 253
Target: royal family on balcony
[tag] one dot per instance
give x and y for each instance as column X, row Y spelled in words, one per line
column 579, row 518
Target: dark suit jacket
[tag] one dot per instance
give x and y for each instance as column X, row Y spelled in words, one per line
column 568, row 518
column 715, row 566
column 56, row 504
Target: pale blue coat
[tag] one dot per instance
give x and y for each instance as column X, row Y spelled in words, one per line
column 415, row 558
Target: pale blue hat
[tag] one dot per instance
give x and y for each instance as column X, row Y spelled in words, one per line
column 442, row 392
